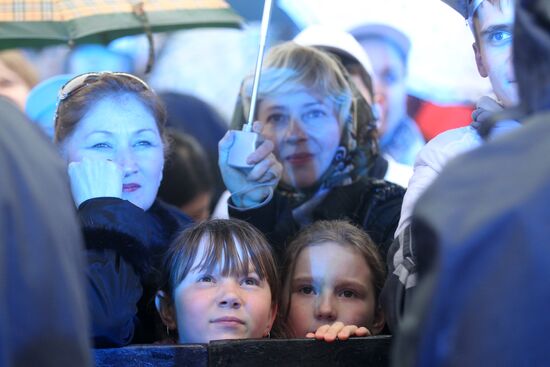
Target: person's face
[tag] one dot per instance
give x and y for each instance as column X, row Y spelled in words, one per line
column 199, row 207
column 493, row 50
column 124, row 131
column 13, row 86
column 210, row 306
column 389, row 83
column 306, row 134
column 330, row 283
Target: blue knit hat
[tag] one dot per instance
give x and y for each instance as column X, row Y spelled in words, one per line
column 42, row 101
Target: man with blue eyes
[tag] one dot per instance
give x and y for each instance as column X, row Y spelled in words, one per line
column 388, row 49
column 492, row 27
column 491, row 22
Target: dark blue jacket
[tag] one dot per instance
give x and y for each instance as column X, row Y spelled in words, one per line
column 482, row 232
column 125, row 246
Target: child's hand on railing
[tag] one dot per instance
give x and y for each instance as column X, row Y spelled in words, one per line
column 338, row 331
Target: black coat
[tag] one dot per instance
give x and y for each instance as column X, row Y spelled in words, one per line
column 375, row 205
column 482, row 232
column 124, row 248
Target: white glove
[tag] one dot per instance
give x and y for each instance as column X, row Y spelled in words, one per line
column 485, row 107
column 255, row 183
column 94, row 178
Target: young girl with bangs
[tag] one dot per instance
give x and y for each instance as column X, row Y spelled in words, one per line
column 333, row 277
column 219, row 282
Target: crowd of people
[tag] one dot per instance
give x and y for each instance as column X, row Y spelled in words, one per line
column 325, row 234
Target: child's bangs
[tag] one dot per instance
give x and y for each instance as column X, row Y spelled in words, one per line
column 234, row 258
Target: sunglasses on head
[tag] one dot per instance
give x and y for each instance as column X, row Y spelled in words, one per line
column 80, row 81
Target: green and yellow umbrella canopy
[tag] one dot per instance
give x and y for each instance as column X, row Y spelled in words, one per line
column 35, row 23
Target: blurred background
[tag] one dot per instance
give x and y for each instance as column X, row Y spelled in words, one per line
column 209, row 63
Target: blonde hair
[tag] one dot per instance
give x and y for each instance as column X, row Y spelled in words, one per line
column 290, row 67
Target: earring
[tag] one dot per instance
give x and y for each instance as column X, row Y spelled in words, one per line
column 167, row 330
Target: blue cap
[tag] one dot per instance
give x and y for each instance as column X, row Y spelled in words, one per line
column 42, row 102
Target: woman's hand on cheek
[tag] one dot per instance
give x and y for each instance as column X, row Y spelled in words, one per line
column 94, row 178
column 338, row 330
column 254, row 183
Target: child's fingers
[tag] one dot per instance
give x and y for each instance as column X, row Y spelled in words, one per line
column 362, row 331
column 321, row 331
column 338, row 330
column 310, row 335
column 331, row 333
column 347, row 332
column 352, row 330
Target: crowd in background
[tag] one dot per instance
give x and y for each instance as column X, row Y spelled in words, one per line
column 346, row 219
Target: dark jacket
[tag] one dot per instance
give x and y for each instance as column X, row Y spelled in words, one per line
column 372, row 204
column 483, row 258
column 124, row 248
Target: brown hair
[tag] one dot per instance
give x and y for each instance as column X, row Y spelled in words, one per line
column 94, row 88
column 187, row 172
column 366, row 131
column 475, row 17
column 224, row 238
column 341, row 232
column 15, row 60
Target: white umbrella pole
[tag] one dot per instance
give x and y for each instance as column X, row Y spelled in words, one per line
column 258, row 71
column 245, row 141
